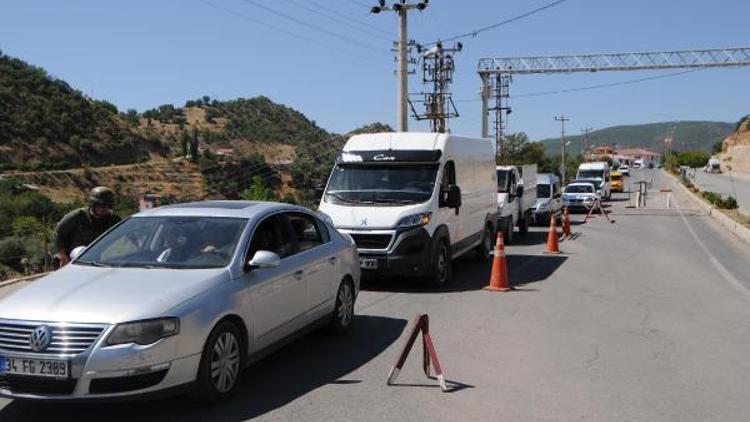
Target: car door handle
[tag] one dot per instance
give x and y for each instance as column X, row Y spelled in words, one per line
column 298, row 275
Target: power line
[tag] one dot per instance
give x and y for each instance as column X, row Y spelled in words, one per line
column 335, row 35
column 348, row 18
column 476, row 32
column 284, row 31
column 359, row 3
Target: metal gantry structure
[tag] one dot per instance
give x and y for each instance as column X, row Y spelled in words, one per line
column 491, row 67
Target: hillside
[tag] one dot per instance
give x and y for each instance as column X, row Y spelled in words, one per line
column 47, row 124
column 688, row 135
column 736, row 148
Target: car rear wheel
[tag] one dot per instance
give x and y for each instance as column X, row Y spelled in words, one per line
column 343, row 312
column 220, row 369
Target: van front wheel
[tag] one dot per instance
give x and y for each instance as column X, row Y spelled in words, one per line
column 441, row 265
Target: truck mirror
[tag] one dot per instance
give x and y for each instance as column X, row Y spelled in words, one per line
column 519, row 191
column 451, row 197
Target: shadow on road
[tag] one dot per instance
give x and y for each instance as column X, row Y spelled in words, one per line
column 313, row 361
column 469, row 274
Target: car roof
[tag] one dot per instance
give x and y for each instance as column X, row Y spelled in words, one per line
column 236, row 209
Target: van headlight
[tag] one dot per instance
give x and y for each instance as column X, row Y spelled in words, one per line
column 416, row 220
column 144, row 332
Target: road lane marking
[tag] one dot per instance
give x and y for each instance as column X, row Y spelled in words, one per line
column 715, row 262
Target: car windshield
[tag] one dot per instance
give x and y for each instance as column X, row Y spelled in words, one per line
column 167, row 242
column 389, row 184
column 579, row 189
column 616, row 177
column 543, row 191
column 590, row 174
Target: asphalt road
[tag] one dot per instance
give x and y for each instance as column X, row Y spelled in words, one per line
column 644, row 319
column 735, row 184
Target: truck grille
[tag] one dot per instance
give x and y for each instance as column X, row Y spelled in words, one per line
column 371, row 241
column 67, row 339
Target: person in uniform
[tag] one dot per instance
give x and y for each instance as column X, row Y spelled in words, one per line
column 81, row 226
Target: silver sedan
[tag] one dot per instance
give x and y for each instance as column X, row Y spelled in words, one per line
column 177, row 299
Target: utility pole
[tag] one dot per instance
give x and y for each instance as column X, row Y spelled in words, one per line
column 501, row 92
column 586, row 131
column 437, row 68
column 562, row 119
column 401, row 8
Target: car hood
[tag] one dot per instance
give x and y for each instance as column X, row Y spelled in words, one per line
column 107, row 295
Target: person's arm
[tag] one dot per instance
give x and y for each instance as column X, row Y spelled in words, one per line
column 62, row 232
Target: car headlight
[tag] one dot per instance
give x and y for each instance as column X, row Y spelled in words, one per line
column 415, row 220
column 542, row 207
column 144, row 332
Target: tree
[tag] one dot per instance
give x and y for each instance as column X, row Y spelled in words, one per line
column 717, row 148
column 194, row 145
column 26, row 225
column 258, row 191
column 184, row 141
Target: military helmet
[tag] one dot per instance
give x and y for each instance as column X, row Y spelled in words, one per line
column 101, row 195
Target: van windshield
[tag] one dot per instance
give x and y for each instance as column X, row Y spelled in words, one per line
column 590, row 174
column 388, row 184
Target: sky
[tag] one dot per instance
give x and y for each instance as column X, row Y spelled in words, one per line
column 331, row 59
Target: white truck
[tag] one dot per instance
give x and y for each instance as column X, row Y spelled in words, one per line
column 412, row 202
column 516, row 198
column 598, row 172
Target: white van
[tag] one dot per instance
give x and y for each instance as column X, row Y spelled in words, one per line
column 597, row 171
column 412, row 202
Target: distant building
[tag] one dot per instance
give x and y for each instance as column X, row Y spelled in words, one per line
column 630, row 155
column 599, row 153
column 148, row 201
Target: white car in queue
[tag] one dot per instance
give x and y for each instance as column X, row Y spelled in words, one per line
column 580, row 196
column 177, row 299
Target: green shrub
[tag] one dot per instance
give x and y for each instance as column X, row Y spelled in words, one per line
column 12, row 249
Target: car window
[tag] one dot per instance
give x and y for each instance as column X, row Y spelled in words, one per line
column 270, row 235
column 305, row 231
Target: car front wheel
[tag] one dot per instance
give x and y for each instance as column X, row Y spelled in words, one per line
column 220, row 369
column 343, row 312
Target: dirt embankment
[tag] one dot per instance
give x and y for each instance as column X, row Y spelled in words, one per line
column 736, row 149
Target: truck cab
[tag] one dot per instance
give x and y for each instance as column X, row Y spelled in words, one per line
column 516, row 197
column 598, row 172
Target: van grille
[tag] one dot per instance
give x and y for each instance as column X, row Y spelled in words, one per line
column 371, row 241
column 67, row 339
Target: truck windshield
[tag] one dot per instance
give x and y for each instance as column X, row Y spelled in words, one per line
column 502, row 181
column 390, row 184
column 590, row 174
column 543, row 191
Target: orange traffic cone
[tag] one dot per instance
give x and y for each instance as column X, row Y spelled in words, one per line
column 499, row 281
column 566, row 223
column 552, row 246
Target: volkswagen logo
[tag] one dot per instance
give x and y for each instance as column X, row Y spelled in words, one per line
column 40, row 338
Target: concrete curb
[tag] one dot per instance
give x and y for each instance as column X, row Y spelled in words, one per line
column 22, row 279
column 734, row 227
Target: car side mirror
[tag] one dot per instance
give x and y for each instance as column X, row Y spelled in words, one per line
column 519, row 191
column 76, row 252
column 451, row 197
column 263, row 259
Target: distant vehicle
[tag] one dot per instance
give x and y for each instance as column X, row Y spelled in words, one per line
column 713, row 165
column 579, row 196
column 657, row 165
column 516, row 198
column 617, row 184
column 639, row 163
column 414, row 201
column 548, row 198
column 624, row 170
column 177, row 298
column 599, row 171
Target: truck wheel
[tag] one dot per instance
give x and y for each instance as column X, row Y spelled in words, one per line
column 483, row 250
column 508, row 232
column 441, row 264
column 523, row 225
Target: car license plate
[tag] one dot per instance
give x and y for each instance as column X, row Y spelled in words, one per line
column 368, row 263
column 34, row 367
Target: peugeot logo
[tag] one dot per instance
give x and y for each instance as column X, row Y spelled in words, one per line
column 40, row 338
column 363, row 222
